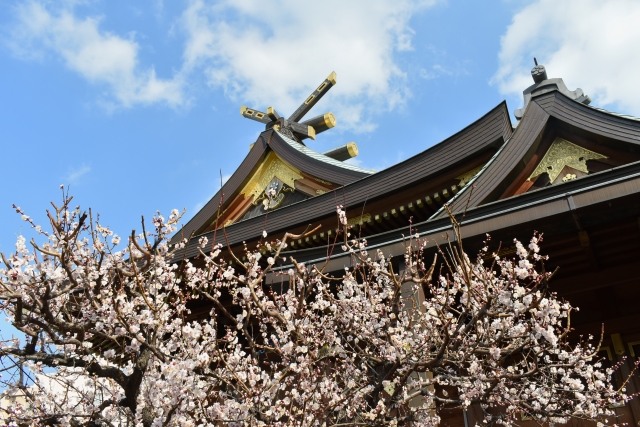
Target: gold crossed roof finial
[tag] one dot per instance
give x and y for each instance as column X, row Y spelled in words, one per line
column 301, row 130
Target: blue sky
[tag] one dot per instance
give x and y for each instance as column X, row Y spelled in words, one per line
column 135, row 105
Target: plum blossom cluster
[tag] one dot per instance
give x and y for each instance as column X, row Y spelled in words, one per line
column 133, row 334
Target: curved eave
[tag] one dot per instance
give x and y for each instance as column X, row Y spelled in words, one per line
column 491, row 130
column 292, row 152
column 594, row 120
column 540, row 109
column 229, row 188
column 613, row 113
column 599, row 187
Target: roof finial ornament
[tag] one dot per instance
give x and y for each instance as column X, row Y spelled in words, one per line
column 292, row 126
column 543, row 84
column 539, row 73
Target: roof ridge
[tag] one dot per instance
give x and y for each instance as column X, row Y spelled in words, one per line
column 321, row 157
column 613, row 113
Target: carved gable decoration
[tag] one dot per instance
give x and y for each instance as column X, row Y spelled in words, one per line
column 468, row 176
column 564, row 153
column 272, row 167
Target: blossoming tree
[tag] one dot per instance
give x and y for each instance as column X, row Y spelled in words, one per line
column 110, row 340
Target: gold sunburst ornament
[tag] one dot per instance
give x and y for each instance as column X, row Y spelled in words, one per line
column 564, row 153
column 271, row 167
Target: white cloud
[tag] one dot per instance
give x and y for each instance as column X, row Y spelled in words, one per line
column 276, row 52
column 260, row 53
column 158, row 6
column 438, row 70
column 591, row 44
column 99, row 56
column 75, row 174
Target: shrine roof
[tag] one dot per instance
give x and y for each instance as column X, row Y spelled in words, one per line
column 306, row 151
column 290, row 151
column 491, row 182
column 485, row 134
column 539, row 205
column 613, row 113
column 485, row 165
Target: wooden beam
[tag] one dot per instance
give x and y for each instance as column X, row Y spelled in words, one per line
column 273, row 114
column 590, row 280
column 374, row 226
column 585, row 242
column 626, row 369
column 322, row 122
column 394, row 219
column 308, row 104
column 303, row 131
column 325, row 237
column 343, row 152
column 256, row 115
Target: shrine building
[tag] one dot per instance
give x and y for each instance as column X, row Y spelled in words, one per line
column 565, row 168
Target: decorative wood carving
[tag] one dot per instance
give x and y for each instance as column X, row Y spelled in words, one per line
column 467, row 176
column 271, row 167
column 279, row 188
column 564, row 153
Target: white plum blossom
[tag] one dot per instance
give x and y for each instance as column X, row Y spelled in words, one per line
column 142, row 337
column 342, row 215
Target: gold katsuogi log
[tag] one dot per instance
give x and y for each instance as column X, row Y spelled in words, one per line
column 322, row 122
column 344, row 152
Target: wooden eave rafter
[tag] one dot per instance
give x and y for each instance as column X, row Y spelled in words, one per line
column 505, row 168
column 597, row 188
column 487, row 133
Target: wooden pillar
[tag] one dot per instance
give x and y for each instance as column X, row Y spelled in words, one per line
column 626, row 366
column 473, row 416
column 412, row 300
